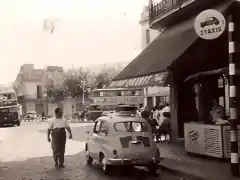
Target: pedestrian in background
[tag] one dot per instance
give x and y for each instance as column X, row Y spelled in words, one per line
column 57, row 130
column 165, row 128
column 43, row 116
column 155, row 119
column 166, row 108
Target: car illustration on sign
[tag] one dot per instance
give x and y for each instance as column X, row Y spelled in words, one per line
column 119, row 140
column 210, row 21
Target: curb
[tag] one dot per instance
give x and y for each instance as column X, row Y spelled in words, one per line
column 181, row 173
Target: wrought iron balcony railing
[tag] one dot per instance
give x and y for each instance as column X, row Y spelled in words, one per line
column 157, row 9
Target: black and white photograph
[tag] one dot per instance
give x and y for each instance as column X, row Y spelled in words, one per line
column 119, row 90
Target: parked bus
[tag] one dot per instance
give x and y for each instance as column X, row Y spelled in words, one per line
column 107, row 100
column 10, row 110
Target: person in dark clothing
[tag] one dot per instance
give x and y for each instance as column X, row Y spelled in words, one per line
column 43, row 116
column 146, row 115
column 57, row 131
column 165, row 128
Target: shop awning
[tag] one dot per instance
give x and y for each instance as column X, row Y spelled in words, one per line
column 224, row 71
column 169, row 46
column 139, row 82
column 159, row 54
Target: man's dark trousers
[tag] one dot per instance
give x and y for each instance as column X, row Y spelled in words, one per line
column 58, row 144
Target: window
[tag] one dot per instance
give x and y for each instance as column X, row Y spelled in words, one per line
column 131, row 126
column 39, row 92
column 104, row 129
column 96, row 127
column 147, row 36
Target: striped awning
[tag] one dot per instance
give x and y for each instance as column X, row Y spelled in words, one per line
column 140, row 82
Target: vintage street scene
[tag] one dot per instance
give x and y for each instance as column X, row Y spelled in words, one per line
column 119, row 90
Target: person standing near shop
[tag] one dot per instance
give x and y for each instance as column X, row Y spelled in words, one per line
column 166, row 108
column 146, row 115
column 155, row 119
column 57, row 130
column 218, row 113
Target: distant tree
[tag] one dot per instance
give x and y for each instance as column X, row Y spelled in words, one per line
column 104, row 78
column 57, row 94
column 78, row 81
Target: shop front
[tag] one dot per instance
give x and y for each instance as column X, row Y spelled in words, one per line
column 200, row 95
column 208, row 134
column 154, row 87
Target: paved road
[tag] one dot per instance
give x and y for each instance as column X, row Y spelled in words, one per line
column 26, row 154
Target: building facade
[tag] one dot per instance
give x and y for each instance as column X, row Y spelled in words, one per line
column 148, row 34
column 155, row 91
column 153, row 95
column 30, row 88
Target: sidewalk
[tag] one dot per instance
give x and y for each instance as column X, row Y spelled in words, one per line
column 207, row 168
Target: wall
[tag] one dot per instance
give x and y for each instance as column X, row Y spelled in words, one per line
column 156, row 90
column 30, row 89
column 144, row 22
column 30, row 106
column 51, row 109
column 56, row 77
column 69, row 107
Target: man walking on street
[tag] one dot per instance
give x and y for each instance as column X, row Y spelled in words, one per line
column 57, row 130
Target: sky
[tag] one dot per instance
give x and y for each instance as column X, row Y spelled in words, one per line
column 87, row 32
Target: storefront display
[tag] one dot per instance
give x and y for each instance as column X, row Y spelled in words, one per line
column 210, row 134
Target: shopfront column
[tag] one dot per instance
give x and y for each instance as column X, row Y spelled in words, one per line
column 154, row 101
column 174, row 107
column 145, row 93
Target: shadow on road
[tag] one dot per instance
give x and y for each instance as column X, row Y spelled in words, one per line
column 76, row 168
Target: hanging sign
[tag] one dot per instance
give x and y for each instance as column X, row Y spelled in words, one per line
column 210, row 24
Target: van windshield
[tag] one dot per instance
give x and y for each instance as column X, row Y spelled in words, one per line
column 131, row 126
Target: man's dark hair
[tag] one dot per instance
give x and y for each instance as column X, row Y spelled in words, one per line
column 57, row 110
column 145, row 114
column 162, row 106
column 167, row 104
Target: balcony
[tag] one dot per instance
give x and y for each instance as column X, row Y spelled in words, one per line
column 165, row 13
column 162, row 7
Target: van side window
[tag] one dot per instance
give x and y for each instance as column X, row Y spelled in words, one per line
column 104, row 129
column 96, row 127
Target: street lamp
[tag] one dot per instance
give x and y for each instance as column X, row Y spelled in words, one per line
column 83, row 89
column 46, row 98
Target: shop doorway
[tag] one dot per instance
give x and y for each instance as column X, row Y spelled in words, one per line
column 150, row 102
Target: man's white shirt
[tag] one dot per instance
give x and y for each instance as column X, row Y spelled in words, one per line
column 58, row 123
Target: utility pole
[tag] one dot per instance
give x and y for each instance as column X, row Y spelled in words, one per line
column 233, row 97
column 83, row 97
